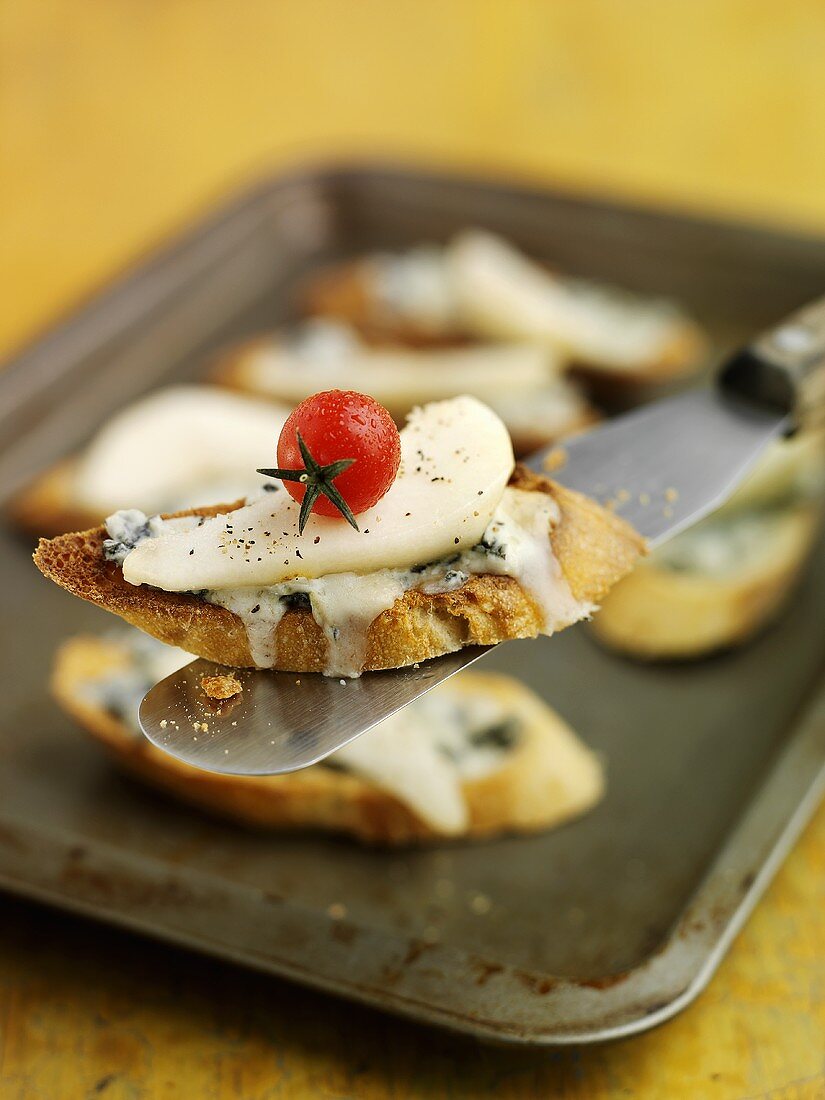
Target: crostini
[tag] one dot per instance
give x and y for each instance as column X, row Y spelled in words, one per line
column 479, row 756
column 177, row 447
column 522, row 382
column 718, row 584
column 459, row 548
column 480, row 287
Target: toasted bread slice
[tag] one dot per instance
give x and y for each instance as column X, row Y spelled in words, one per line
column 547, row 776
column 538, row 408
column 677, row 606
column 593, row 548
column 490, row 291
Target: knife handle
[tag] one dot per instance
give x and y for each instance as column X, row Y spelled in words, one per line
column 785, row 368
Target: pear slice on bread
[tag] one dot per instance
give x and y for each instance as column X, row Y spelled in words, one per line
column 592, row 547
column 503, row 760
column 480, row 287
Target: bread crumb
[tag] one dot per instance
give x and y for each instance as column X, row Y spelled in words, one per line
column 163, row 723
column 671, row 495
column 221, row 687
column 554, row 460
column 336, row 911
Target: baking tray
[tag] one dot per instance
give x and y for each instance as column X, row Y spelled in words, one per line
column 598, row 929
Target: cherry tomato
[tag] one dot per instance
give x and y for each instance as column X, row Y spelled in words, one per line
column 336, row 425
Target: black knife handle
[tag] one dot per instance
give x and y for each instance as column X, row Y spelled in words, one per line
column 785, row 368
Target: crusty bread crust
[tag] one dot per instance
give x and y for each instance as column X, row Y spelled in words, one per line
column 594, row 549
column 48, row 507
column 658, row 614
column 530, row 791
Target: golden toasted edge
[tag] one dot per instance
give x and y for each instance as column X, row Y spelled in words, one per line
column 46, row 505
column 548, row 778
column 658, row 614
column 594, row 549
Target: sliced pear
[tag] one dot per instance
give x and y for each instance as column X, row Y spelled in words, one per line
column 456, row 459
column 179, row 447
column 331, row 355
column 501, row 293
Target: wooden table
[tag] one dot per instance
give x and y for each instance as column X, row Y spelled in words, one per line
column 120, row 119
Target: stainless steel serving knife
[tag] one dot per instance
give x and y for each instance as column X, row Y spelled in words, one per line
column 672, row 462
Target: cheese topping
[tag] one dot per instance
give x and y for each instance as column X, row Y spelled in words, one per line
column 178, row 448
column 422, row 755
column 414, row 286
column 324, row 354
column 515, row 543
column 456, row 458
column 728, row 546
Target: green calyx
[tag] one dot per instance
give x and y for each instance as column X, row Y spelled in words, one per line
column 319, row 481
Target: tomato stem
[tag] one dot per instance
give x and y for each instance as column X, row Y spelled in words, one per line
column 318, row 480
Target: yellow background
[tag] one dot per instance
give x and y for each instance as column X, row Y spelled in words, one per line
column 122, row 119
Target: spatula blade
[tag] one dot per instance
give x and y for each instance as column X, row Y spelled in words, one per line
column 665, row 466
column 280, row 721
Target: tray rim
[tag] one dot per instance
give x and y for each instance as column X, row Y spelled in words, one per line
column 774, row 815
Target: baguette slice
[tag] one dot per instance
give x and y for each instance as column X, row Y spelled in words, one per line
column 661, row 612
column 537, row 405
column 546, row 778
column 478, row 308
column 594, row 549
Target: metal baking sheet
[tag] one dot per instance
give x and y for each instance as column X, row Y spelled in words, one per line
column 601, row 928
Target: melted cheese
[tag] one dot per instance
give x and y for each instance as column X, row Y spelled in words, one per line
column 516, row 543
column 178, row 448
column 343, row 605
column 412, row 286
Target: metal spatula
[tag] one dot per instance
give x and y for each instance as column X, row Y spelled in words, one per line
column 665, row 466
